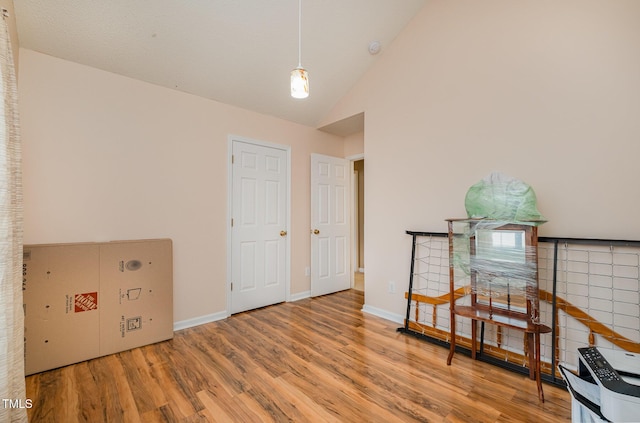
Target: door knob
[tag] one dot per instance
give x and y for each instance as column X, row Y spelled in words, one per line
column 283, row 233
column 316, row 232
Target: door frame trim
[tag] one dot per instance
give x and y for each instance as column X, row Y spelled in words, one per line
column 353, row 221
column 286, row 148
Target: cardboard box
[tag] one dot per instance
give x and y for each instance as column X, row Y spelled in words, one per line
column 61, row 301
column 83, row 301
column 136, row 293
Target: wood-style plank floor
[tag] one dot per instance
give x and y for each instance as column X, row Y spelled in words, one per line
column 314, row 360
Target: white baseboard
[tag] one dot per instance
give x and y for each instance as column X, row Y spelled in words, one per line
column 196, row 321
column 221, row 315
column 299, row 296
column 396, row 318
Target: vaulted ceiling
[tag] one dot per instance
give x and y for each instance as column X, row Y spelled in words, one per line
column 239, row 52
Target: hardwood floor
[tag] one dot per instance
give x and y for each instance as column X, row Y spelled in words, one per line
column 314, row 360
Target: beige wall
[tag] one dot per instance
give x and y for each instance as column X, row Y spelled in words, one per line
column 546, row 91
column 107, row 158
column 354, row 144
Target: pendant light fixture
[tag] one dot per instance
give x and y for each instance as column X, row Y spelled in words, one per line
column 299, row 76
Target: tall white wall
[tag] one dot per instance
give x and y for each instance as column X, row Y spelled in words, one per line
column 110, row 158
column 546, row 91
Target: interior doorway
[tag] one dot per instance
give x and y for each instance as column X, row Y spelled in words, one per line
column 358, row 224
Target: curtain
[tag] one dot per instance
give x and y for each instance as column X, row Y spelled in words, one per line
column 12, row 382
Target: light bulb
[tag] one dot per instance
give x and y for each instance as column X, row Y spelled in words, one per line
column 299, row 83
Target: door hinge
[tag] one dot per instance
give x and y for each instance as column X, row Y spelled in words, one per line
column 233, row 159
column 232, row 223
column 232, row 286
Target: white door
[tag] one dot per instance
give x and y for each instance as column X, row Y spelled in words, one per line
column 259, row 231
column 330, row 225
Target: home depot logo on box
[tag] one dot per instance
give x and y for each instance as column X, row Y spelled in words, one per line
column 86, row 302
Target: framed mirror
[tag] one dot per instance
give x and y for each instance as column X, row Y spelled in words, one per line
column 501, row 270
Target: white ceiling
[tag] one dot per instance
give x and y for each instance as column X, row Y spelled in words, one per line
column 238, row 52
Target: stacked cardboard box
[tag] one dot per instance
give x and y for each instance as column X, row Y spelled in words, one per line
column 83, row 301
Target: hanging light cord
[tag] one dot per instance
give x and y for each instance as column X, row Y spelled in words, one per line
column 299, row 33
